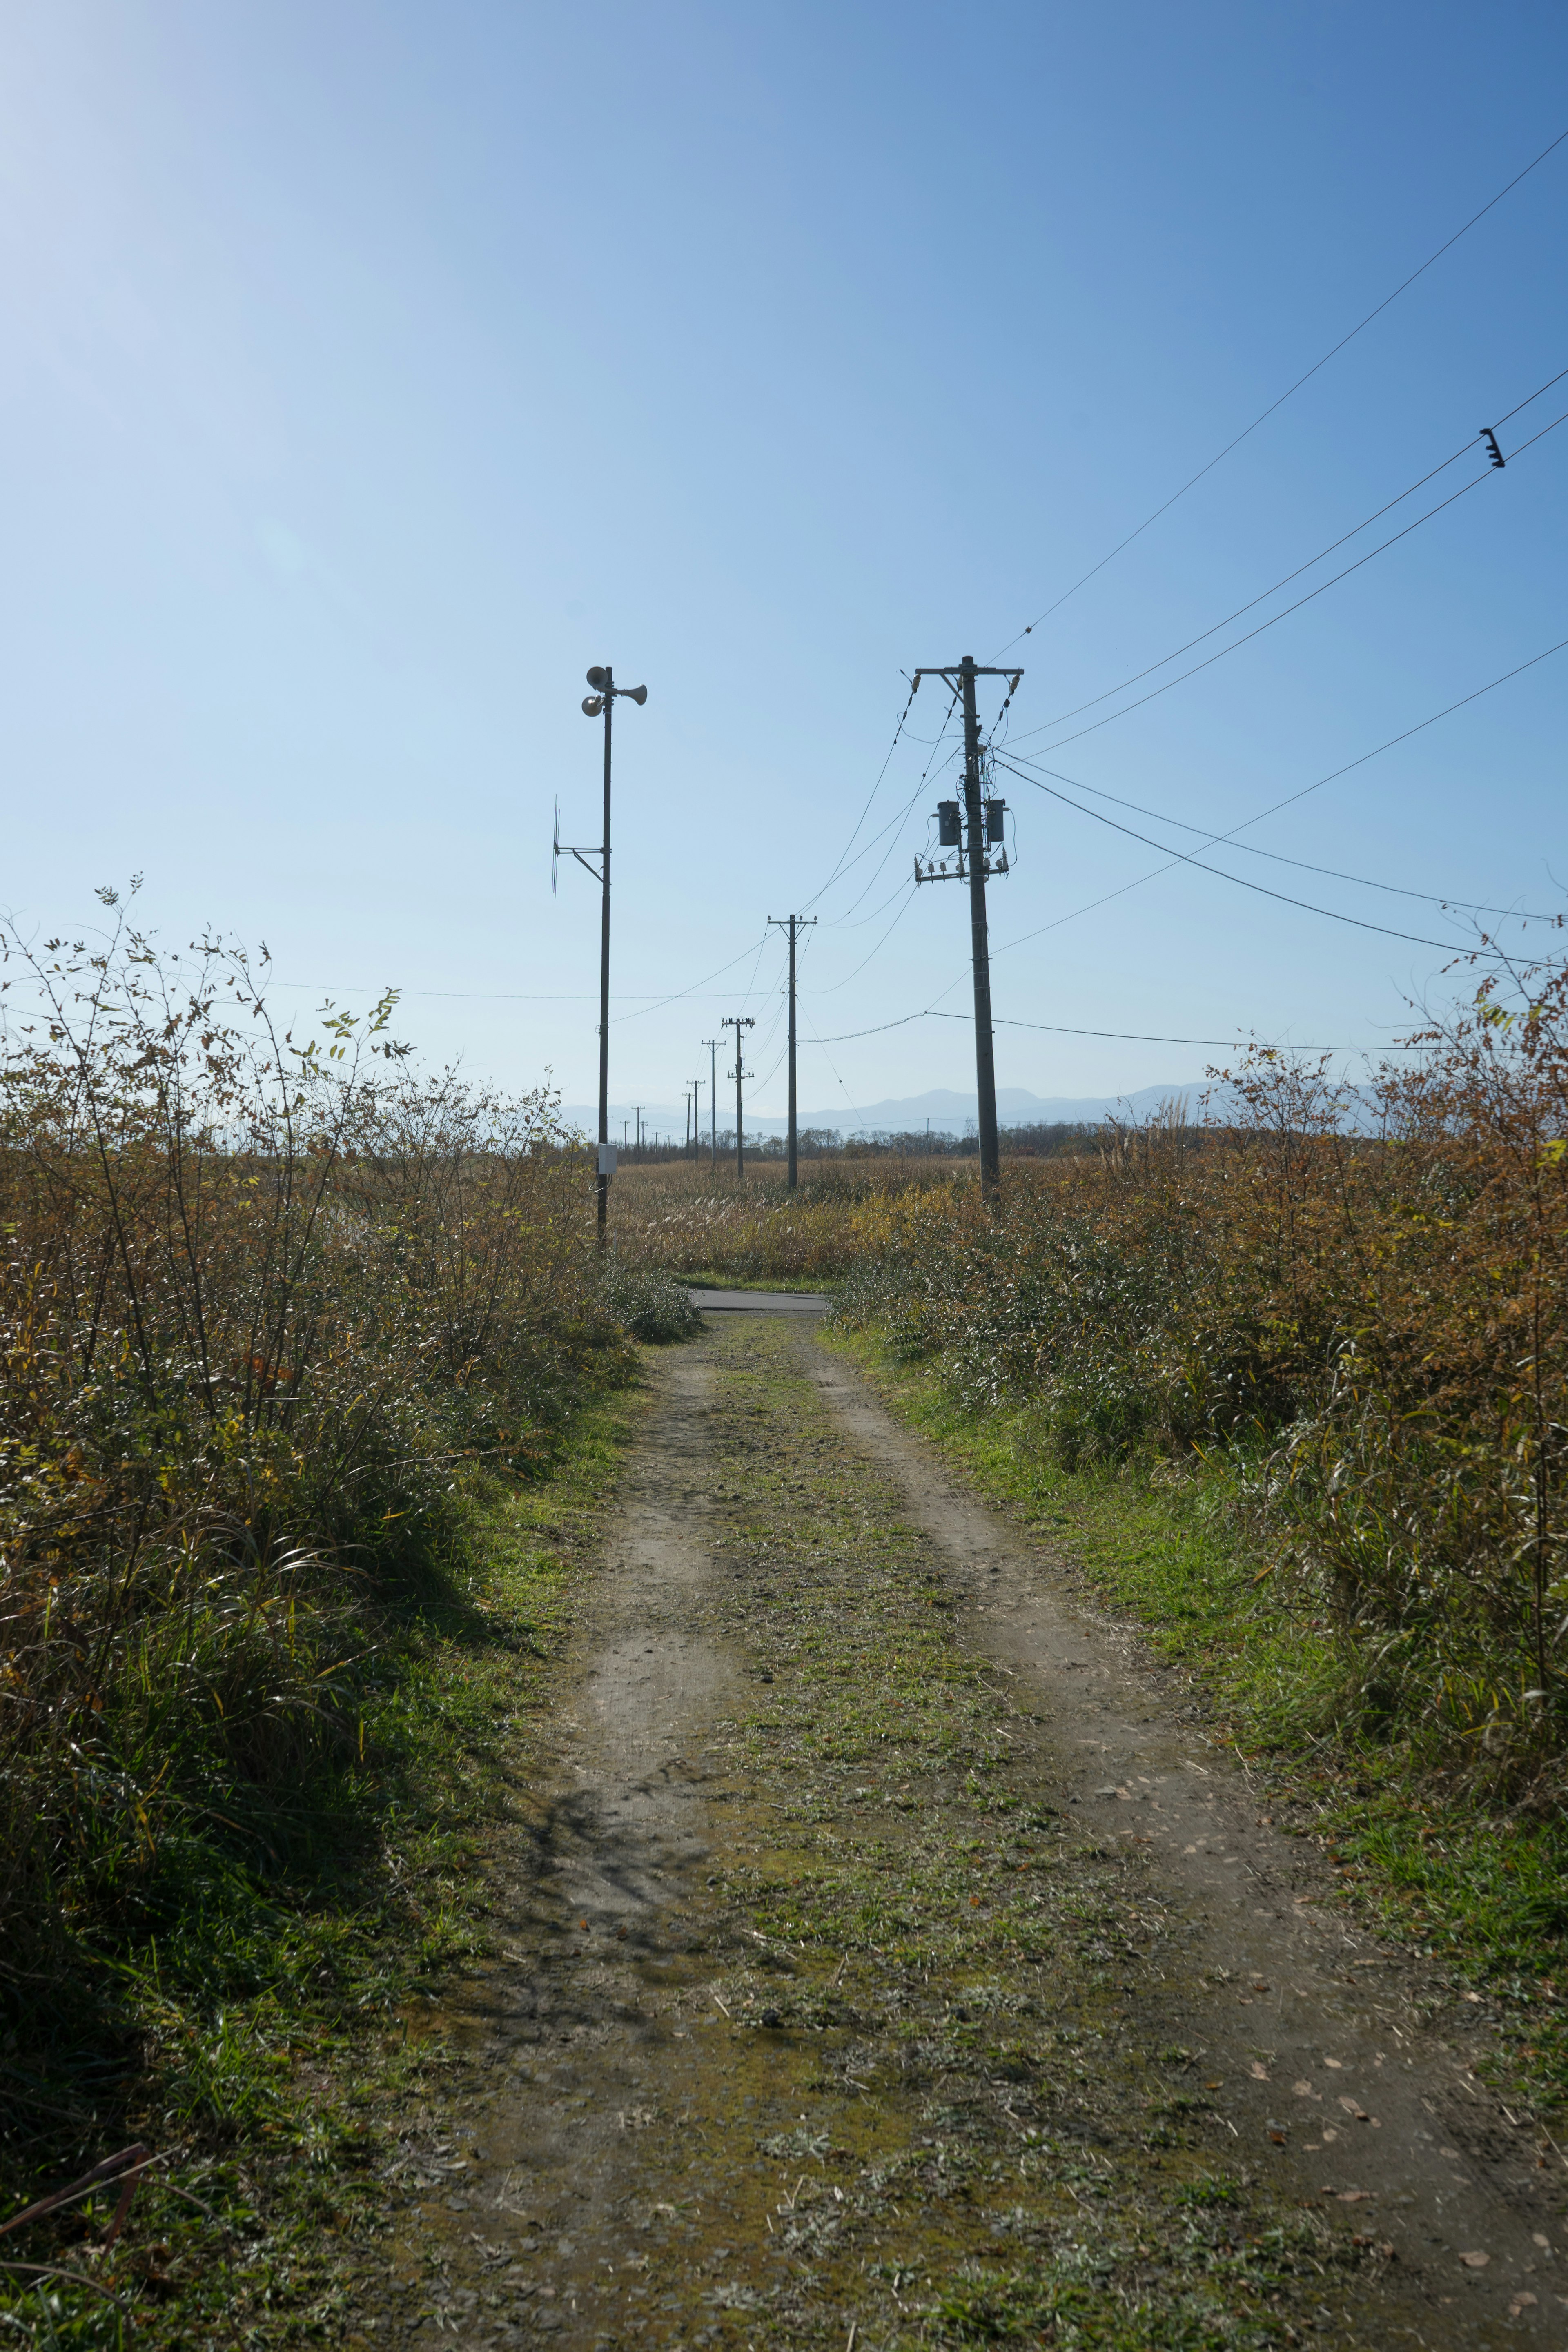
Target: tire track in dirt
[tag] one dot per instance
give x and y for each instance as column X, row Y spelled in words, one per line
column 830, row 2000
column 1336, row 2018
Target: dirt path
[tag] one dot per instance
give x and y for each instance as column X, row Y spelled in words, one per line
column 887, row 1965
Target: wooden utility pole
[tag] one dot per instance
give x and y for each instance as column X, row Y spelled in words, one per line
column 712, row 1045
column 793, row 923
column 985, row 824
column 737, row 1022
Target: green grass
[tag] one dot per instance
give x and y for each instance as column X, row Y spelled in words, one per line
column 1481, row 1894
column 256, row 2020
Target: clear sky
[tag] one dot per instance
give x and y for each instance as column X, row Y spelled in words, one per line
column 370, row 369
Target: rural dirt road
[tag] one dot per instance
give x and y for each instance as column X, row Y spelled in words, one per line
column 891, row 1960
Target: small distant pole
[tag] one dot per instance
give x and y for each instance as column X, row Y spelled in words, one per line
column 802, row 923
column 696, row 1119
column 712, row 1045
column 737, row 1022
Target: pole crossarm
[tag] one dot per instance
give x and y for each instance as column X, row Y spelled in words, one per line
column 963, row 669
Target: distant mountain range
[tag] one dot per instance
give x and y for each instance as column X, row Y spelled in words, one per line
column 949, row 1113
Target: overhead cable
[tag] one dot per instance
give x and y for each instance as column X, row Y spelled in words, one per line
column 1312, row 593
column 1304, row 865
column 914, row 690
column 1264, row 594
column 1090, row 907
column 1131, row 1036
column 1185, row 857
column 1317, row 366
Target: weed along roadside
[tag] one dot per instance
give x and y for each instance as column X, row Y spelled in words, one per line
column 877, row 1958
column 312, row 1383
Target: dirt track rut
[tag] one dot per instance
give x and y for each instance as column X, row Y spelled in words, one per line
column 888, row 1963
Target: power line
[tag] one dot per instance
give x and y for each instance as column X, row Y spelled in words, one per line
column 1290, row 799
column 1264, row 594
column 914, row 690
column 898, row 821
column 834, row 986
column 1312, row 595
column 659, row 1004
column 1288, row 393
column 1277, row 858
column 1130, row 1036
column 1185, row 857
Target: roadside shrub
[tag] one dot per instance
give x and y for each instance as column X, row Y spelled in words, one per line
column 266, row 1305
column 648, row 1303
column 1364, row 1296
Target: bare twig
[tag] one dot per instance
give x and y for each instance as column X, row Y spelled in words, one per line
column 137, row 2156
column 77, row 2278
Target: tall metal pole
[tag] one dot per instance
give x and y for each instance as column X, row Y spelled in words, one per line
column 601, row 699
column 696, row 1119
column 712, row 1045
column 979, row 949
column 603, row 1207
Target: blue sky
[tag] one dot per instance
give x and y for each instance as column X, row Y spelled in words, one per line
column 370, row 369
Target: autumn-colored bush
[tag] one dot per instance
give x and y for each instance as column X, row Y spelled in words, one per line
column 264, row 1302
column 1361, row 1297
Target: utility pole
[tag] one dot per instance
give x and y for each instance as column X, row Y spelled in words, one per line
column 737, row 1022
column 986, row 825
column 636, row 1113
column 603, row 698
column 697, row 1085
column 712, row 1045
column 791, row 922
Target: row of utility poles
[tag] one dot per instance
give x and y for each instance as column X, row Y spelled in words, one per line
column 973, row 834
